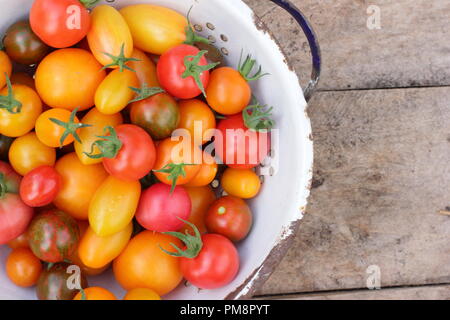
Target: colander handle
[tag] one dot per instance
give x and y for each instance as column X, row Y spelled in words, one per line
column 313, row 44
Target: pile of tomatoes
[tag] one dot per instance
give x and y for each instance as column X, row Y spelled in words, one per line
column 92, row 104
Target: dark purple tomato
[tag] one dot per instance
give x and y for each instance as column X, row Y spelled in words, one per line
column 22, row 45
column 159, row 115
column 5, row 144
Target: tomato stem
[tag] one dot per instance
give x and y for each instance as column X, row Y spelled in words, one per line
column 145, row 92
column 83, row 294
column 109, row 146
column 258, row 118
column 119, row 60
column 70, row 127
column 193, row 69
column 194, row 244
column 246, row 67
column 191, row 36
column 174, row 171
column 8, row 102
column 89, row 3
column 3, row 185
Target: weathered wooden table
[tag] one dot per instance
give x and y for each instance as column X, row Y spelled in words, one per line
column 381, row 123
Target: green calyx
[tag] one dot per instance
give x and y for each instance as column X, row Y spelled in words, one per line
column 109, row 146
column 83, row 294
column 145, row 92
column 246, row 67
column 258, row 118
column 8, row 102
column 193, row 244
column 174, row 171
column 70, row 127
column 3, row 186
column 120, row 60
column 191, row 36
column 89, row 3
column 193, row 69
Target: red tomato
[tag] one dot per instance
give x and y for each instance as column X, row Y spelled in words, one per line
column 183, row 71
column 15, row 215
column 215, row 266
column 60, row 23
column 160, row 210
column 230, row 217
column 40, row 186
column 239, row 147
column 128, row 152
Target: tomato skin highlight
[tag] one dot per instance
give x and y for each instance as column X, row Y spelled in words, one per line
column 50, row 20
column 216, row 265
column 40, row 186
column 160, row 210
column 171, row 67
column 53, row 236
column 230, row 217
column 137, row 156
column 23, row 267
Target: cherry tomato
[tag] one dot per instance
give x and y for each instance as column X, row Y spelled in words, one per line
column 141, row 294
column 162, row 210
column 53, row 236
column 97, row 252
column 198, row 119
column 239, row 147
column 109, row 36
column 177, row 76
column 89, row 135
column 52, row 284
column 68, row 79
column 240, row 183
column 114, row 93
column 59, row 23
column 17, row 121
column 28, row 153
column 19, row 242
column 22, row 45
column 79, row 183
column 113, row 206
column 24, row 79
column 144, row 67
column 144, row 265
column 159, row 115
column 201, row 199
column 23, row 267
column 5, row 67
column 155, row 29
column 207, row 173
column 40, row 186
column 95, row 293
column 230, row 217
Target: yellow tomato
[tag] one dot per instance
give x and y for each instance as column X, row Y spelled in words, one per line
column 114, row 93
column 113, row 206
column 141, row 294
column 89, row 135
column 28, row 153
column 145, row 68
column 155, row 29
column 108, row 33
column 243, row 184
column 97, row 252
column 16, row 123
column 5, row 67
column 78, row 185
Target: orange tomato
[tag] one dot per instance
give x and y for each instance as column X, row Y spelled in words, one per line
column 206, row 174
column 228, row 92
column 68, row 79
column 78, row 185
column 201, row 198
column 23, row 267
column 145, row 69
column 5, row 67
column 144, row 265
column 95, row 293
column 19, row 242
column 198, row 119
column 89, row 135
column 28, row 153
column 141, row 294
column 20, row 123
column 24, row 79
column 240, row 183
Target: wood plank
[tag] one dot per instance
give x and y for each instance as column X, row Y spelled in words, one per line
column 381, row 175
column 415, row 293
column 410, row 49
